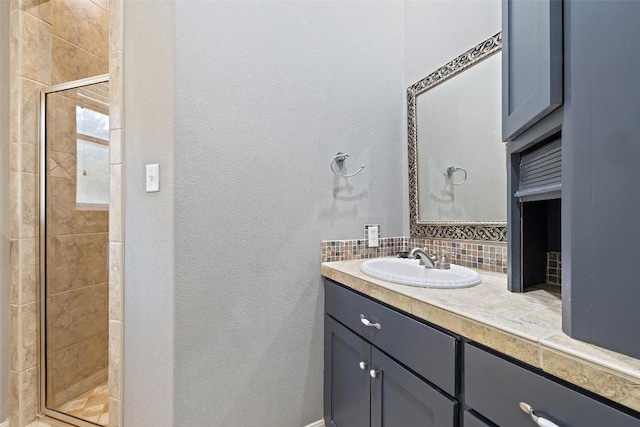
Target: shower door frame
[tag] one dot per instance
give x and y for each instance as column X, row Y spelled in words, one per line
column 42, row 190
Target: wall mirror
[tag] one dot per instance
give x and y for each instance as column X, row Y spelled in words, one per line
column 457, row 160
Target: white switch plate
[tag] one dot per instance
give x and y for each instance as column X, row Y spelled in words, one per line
column 373, row 237
column 153, row 178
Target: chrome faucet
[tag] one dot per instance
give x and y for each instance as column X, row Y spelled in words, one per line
column 429, row 261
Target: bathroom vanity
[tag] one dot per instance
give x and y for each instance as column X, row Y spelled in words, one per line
column 398, row 355
column 364, row 374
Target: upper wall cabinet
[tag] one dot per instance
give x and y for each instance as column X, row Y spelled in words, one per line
column 531, row 63
column 596, row 208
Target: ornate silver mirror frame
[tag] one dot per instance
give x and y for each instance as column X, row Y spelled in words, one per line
column 483, row 231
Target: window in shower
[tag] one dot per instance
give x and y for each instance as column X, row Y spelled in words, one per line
column 92, row 148
column 74, row 229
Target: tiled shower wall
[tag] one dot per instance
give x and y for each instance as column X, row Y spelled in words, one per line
column 116, row 213
column 52, row 41
column 484, row 256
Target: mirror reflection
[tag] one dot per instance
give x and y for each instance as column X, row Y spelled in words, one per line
column 461, row 156
column 457, row 160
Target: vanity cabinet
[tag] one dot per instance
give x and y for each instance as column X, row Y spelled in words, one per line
column 471, row 419
column 367, row 380
column 599, row 130
column 495, row 386
column 347, row 380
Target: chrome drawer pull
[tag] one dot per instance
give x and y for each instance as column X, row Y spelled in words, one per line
column 366, row 322
column 373, row 373
column 363, row 365
column 542, row 422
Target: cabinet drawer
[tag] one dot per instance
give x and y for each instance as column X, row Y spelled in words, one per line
column 494, row 387
column 427, row 351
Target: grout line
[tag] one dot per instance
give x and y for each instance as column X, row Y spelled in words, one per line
column 77, row 289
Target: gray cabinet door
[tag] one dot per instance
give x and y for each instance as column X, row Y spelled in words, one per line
column 494, row 387
column 346, row 385
column 600, row 196
column 472, row 420
column 531, row 63
column 425, row 350
column 400, row 398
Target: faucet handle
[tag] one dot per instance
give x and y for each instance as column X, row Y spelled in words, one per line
column 444, row 263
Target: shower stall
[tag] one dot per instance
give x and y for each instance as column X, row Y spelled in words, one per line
column 74, row 239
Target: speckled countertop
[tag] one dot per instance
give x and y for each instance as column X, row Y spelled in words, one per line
column 524, row 326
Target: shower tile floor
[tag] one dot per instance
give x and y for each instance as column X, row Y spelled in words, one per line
column 92, row 406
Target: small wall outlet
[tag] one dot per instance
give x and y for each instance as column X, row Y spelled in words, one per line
column 373, row 237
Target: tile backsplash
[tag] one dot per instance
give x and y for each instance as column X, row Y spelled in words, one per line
column 480, row 255
column 488, row 257
column 554, row 268
column 344, row 250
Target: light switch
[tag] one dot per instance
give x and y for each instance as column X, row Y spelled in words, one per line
column 153, row 178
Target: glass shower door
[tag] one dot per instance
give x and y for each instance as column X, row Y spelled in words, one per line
column 74, row 252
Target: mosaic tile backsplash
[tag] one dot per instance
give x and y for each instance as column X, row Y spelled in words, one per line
column 486, row 257
column 344, row 250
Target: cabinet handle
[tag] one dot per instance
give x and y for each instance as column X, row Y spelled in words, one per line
column 366, row 322
column 373, row 373
column 363, row 365
column 542, row 422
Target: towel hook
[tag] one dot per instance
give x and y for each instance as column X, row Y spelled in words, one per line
column 339, row 159
column 453, row 169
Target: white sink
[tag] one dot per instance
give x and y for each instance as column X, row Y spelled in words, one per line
column 409, row 272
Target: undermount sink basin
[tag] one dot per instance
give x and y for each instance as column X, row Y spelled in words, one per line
column 409, row 272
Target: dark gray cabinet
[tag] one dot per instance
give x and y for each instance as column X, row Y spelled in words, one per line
column 365, row 386
column 599, row 131
column 531, row 63
column 601, row 153
column 347, row 382
column 401, row 398
column 432, row 354
column 494, row 387
column 471, row 419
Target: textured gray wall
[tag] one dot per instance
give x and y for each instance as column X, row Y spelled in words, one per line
column 266, row 94
column 438, row 31
column 435, row 32
column 5, row 280
column 148, row 138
